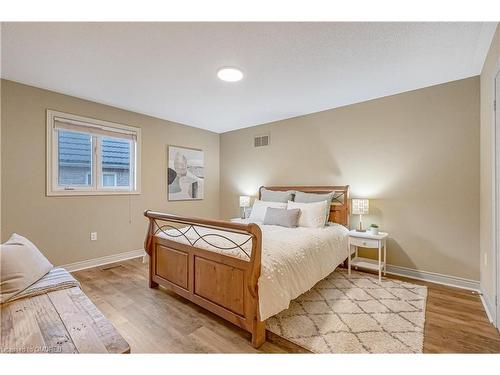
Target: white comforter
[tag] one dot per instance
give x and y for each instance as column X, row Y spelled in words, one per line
column 293, row 259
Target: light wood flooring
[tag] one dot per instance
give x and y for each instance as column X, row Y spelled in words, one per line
column 158, row 321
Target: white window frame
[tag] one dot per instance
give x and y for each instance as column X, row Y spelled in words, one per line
column 94, row 127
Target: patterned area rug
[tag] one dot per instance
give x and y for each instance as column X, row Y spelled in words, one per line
column 355, row 315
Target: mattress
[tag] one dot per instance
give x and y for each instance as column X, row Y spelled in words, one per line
column 293, row 259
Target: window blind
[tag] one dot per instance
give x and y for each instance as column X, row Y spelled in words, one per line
column 94, row 129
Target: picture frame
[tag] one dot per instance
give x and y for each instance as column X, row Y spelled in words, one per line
column 185, row 173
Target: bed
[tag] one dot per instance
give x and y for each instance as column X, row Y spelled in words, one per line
column 244, row 271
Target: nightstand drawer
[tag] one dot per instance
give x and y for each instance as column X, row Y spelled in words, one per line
column 363, row 242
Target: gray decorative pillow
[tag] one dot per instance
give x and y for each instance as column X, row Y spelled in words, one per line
column 276, row 196
column 282, row 217
column 301, row 197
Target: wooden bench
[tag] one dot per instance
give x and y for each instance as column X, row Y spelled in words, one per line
column 62, row 321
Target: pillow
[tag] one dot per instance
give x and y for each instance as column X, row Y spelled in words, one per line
column 312, row 215
column 259, row 209
column 276, row 196
column 301, row 197
column 282, row 217
column 21, row 264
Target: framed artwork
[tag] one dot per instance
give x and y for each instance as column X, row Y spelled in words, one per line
column 185, row 173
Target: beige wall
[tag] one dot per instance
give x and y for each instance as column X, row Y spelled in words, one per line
column 416, row 155
column 490, row 68
column 61, row 226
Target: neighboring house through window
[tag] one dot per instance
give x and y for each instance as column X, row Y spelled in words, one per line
column 88, row 156
column 109, row 179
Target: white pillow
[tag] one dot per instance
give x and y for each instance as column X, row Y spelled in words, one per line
column 312, row 215
column 259, row 209
column 21, row 264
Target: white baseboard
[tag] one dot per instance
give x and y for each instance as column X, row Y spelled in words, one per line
column 453, row 281
column 90, row 263
column 432, row 277
column 488, row 306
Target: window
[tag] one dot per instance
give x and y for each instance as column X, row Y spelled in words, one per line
column 87, row 156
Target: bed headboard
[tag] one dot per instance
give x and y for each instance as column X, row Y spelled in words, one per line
column 339, row 209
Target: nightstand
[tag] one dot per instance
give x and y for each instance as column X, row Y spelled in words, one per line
column 369, row 241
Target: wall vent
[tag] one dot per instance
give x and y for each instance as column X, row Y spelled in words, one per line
column 261, row 140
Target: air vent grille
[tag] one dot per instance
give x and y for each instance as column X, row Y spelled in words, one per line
column 261, row 140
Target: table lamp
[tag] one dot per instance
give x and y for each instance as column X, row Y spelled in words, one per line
column 360, row 207
column 244, row 203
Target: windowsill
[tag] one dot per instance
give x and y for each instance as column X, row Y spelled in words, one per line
column 63, row 193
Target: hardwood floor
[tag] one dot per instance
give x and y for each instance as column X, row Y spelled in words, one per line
column 158, row 321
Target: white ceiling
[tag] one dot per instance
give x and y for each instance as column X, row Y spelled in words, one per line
column 168, row 70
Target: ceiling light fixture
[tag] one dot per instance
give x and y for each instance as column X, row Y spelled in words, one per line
column 229, row 74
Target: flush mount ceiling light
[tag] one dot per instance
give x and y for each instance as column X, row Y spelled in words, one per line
column 229, row 74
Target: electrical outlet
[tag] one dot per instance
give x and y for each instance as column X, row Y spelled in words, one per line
column 93, row 236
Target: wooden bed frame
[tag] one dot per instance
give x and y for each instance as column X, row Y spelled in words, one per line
column 221, row 283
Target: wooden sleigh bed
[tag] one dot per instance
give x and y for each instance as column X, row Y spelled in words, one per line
column 217, row 281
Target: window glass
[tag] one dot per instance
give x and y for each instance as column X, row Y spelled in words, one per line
column 116, row 170
column 74, row 158
column 109, row 179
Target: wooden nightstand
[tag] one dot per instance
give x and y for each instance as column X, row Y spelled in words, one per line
column 369, row 241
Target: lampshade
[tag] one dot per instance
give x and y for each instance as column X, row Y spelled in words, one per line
column 360, row 207
column 244, row 201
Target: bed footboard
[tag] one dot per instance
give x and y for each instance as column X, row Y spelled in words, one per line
column 221, row 283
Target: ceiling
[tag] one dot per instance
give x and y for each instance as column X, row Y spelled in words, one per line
column 168, row 70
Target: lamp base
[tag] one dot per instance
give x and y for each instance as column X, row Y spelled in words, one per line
column 360, row 226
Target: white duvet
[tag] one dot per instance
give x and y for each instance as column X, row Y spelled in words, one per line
column 293, row 259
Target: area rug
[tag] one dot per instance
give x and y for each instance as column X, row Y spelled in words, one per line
column 355, row 314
